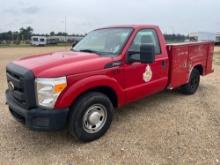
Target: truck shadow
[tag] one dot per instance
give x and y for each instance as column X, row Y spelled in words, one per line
column 148, row 103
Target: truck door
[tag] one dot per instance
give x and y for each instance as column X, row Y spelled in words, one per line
column 145, row 79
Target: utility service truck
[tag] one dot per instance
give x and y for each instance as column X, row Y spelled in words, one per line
column 107, row 69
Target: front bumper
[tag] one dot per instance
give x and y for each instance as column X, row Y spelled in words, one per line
column 37, row 118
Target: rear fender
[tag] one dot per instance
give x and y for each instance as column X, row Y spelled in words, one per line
column 193, row 67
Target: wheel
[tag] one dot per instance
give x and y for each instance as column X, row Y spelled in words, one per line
column 193, row 84
column 91, row 116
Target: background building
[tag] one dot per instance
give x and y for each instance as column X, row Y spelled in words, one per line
column 202, row 36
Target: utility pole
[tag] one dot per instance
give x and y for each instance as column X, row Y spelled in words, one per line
column 12, row 37
column 65, row 32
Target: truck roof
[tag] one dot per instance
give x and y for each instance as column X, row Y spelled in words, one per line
column 135, row 26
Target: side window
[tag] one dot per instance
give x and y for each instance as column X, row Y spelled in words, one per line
column 146, row 36
column 35, row 39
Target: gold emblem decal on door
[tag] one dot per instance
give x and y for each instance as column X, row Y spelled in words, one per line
column 147, row 75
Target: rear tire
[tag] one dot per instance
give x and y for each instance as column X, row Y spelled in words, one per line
column 193, row 84
column 91, row 116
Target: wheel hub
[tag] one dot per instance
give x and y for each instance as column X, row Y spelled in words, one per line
column 94, row 118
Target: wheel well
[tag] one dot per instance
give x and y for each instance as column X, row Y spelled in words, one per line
column 109, row 92
column 199, row 68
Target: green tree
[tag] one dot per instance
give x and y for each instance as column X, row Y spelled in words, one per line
column 52, row 33
column 25, row 33
column 62, row 34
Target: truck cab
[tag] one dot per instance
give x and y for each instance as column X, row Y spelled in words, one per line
column 107, row 69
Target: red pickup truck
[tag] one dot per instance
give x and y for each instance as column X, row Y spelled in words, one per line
column 107, row 69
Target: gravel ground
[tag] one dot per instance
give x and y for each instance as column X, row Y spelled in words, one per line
column 167, row 128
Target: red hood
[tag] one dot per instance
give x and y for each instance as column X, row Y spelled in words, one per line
column 63, row 63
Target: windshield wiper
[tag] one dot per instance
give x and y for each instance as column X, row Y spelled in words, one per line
column 89, row 51
column 93, row 51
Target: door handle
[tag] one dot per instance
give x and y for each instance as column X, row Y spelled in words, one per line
column 163, row 63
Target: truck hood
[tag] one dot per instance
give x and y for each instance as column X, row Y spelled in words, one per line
column 63, row 63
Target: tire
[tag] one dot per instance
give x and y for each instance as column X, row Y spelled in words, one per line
column 193, row 84
column 91, row 116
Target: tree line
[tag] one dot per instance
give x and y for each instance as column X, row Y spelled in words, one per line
column 175, row 37
column 24, row 34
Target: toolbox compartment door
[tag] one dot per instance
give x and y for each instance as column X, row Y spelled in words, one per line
column 179, row 56
column 209, row 61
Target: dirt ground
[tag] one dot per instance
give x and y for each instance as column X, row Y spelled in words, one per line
column 167, row 128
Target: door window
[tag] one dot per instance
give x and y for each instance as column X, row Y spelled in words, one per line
column 146, row 36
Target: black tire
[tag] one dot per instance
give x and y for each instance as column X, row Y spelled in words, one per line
column 193, row 84
column 77, row 126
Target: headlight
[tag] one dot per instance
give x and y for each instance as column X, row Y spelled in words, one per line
column 48, row 90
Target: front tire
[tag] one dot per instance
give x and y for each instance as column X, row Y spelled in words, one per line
column 91, row 116
column 193, row 84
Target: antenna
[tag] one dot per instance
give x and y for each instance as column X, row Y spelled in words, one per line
column 65, row 33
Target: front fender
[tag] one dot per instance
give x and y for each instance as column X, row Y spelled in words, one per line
column 76, row 88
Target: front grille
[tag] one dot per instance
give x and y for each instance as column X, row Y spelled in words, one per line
column 21, row 85
column 17, row 91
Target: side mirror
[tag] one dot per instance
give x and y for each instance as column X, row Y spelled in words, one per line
column 147, row 53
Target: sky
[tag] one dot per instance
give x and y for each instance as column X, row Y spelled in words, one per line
column 82, row 16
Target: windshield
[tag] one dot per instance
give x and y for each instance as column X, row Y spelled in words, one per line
column 104, row 41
